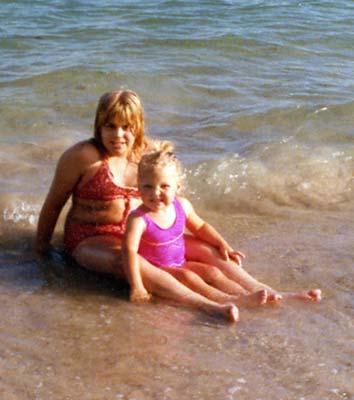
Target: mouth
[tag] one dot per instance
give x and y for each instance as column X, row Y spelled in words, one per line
column 118, row 145
column 156, row 201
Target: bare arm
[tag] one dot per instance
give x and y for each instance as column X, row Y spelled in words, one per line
column 207, row 233
column 134, row 230
column 67, row 174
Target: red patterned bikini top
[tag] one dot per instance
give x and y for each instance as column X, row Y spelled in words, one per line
column 102, row 187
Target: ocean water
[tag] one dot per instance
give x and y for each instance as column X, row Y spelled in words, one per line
column 258, row 98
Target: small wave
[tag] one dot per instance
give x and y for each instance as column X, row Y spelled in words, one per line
column 19, row 210
column 270, row 176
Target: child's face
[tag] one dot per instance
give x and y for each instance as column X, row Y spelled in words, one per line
column 117, row 138
column 158, row 187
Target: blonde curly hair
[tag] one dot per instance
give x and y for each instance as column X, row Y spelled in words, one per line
column 160, row 159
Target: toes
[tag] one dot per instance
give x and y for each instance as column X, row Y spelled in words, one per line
column 274, row 298
column 263, row 297
column 234, row 314
column 315, row 295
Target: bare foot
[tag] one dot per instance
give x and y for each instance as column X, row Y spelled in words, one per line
column 231, row 312
column 311, row 295
column 274, row 298
column 227, row 310
column 315, row 294
column 255, row 299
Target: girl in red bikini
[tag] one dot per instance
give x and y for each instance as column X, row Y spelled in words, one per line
column 100, row 176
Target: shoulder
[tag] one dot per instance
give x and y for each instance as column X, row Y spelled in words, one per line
column 193, row 221
column 82, row 151
column 136, row 220
column 138, row 213
column 80, row 156
column 185, row 204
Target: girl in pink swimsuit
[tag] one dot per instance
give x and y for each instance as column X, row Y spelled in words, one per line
column 163, row 247
column 155, row 231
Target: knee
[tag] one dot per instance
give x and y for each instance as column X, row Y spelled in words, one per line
column 112, row 261
column 213, row 274
column 187, row 276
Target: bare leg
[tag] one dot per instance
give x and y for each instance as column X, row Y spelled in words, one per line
column 100, row 254
column 254, row 299
column 197, row 284
column 103, row 254
column 194, row 282
column 163, row 284
column 202, row 252
column 311, row 295
column 215, row 277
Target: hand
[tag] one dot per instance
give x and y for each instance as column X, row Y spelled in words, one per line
column 228, row 253
column 237, row 256
column 139, row 295
column 42, row 251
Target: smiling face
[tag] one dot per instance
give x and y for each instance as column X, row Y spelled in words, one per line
column 117, row 137
column 158, row 186
column 119, row 109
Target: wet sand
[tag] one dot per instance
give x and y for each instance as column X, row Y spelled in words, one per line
column 68, row 334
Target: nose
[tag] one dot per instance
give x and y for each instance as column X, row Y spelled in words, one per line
column 118, row 132
column 157, row 191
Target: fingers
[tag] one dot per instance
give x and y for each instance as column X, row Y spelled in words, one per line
column 228, row 253
column 240, row 254
column 224, row 254
column 237, row 256
column 138, row 297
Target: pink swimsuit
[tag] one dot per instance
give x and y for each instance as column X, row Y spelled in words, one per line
column 100, row 187
column 163, row 247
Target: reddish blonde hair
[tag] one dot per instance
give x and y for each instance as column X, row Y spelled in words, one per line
column 126, row 106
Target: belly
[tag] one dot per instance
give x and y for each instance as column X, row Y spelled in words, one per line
column 100, row 212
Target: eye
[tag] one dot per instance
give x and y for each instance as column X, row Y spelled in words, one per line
column 165, row 186
column 126, row 127
column 109, row 125
column 147, row 187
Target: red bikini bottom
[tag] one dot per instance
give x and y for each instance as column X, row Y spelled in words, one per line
column 76, row 233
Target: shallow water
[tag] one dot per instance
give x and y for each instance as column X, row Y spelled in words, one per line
column 258, row 98
column 69, row 333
